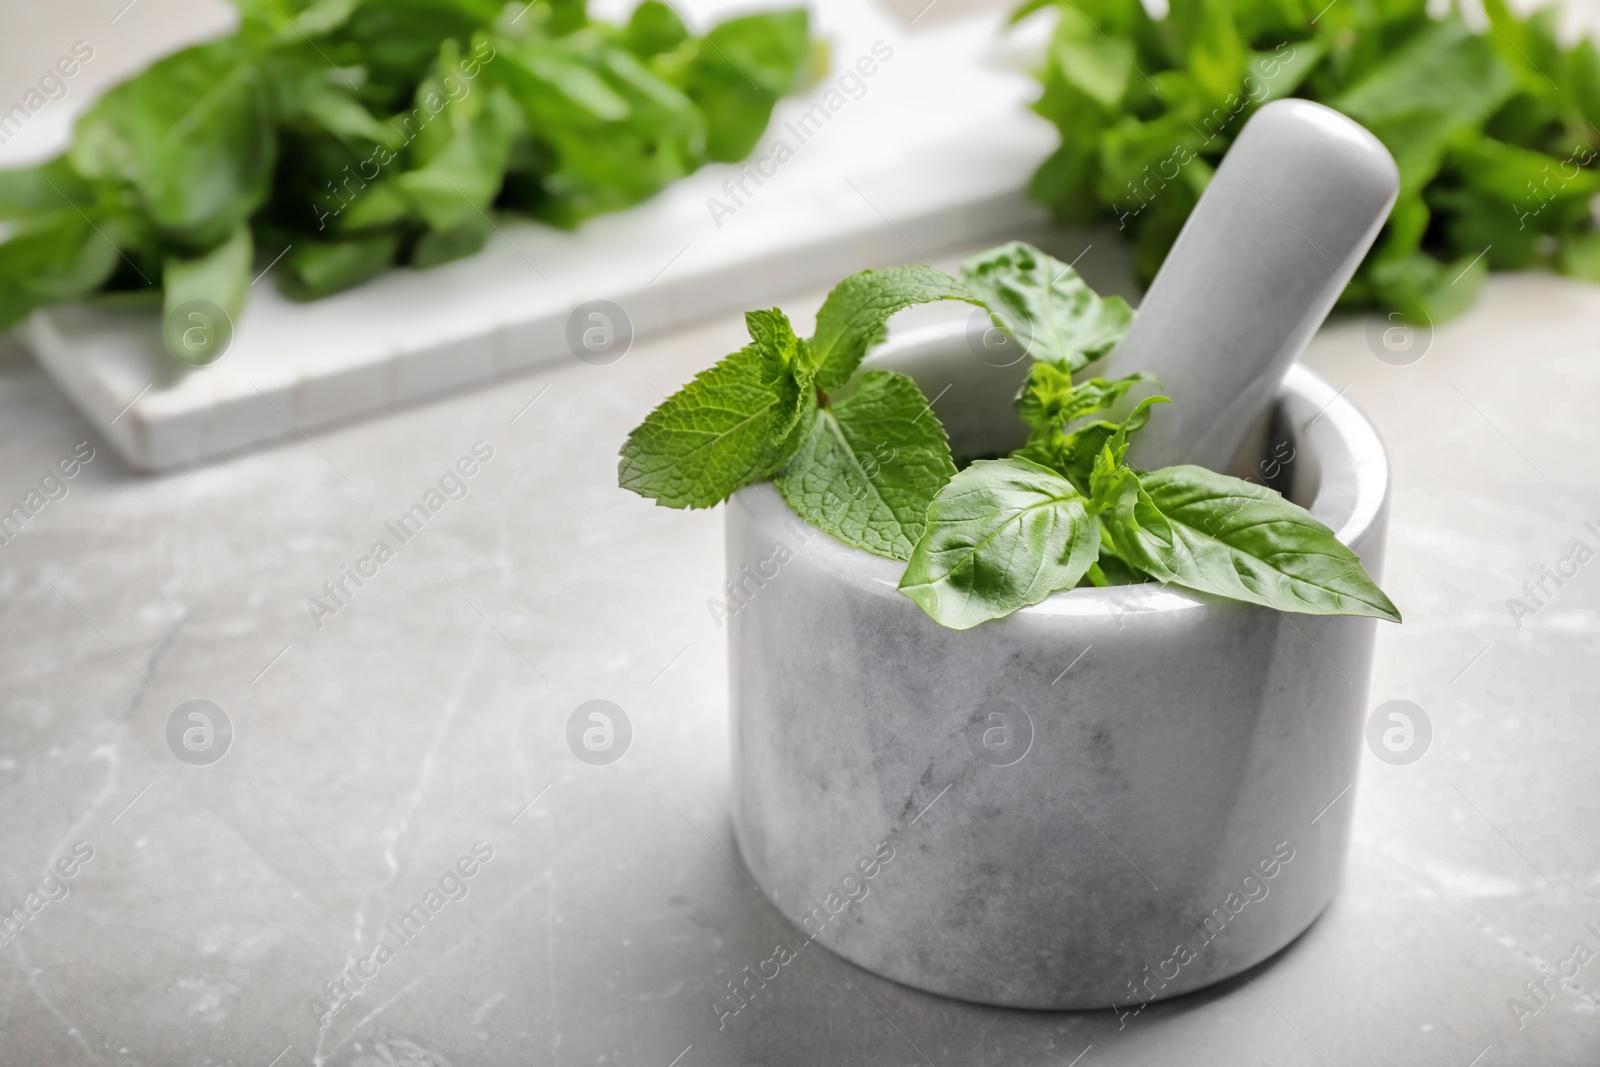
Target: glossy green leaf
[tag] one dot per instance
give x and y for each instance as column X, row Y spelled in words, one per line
column 1003, row 534
column 59, row 257
column 192, row 136
column 741, row 69
column 1220, row 535
column 313, row 269
column 1049, row 399
column 221, row 278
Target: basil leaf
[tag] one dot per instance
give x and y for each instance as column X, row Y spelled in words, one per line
column 1045, row 305
column 654, row 28
column 57, row 257
column 315, row 269
column 1003, row 534
column 353, row 131
column 871, row 465
column 856, row 314
column 194, row 138
column 1110, row 470
column 459, row 159
column 1074, row 453
column 1049, row 398
column 740, row 70
column 1220, row 535
column 221, row 276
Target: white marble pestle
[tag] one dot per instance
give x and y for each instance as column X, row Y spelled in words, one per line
column 1274, row 239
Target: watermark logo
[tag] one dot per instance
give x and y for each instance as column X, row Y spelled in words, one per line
column 1399, row 732
column 199, row 732
column 53, row 486
column 52, row 85
column 599, row 732
column 1399, row 341
column 1000, row 734
column 599, row 333
column 992, row 344
column 197, row 332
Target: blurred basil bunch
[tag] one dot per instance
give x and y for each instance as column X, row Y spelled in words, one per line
column 1494, row 129
column 359, row 134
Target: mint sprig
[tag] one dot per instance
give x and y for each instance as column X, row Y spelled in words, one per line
column 862, row 455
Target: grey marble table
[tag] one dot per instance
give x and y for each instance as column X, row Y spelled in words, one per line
column 415, row 726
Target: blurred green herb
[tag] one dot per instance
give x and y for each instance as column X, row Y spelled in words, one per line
column 1494, row 129
column 348, row 136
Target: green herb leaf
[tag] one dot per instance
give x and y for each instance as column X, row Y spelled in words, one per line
column 313, row 269
column 1493, row 127
column 221, row 277
column 1219, row 535
column 1002, row 535
column 653, row 29
column 1110, row 471
column 1045, row 305
column 740, row 70
column 1050, row 399
column 872, row 463
column 192, row 136
column 1075, row 452
column 856, row 314
column 460, row 157
column 58, row 257
column 719, row 434
column 357, row 131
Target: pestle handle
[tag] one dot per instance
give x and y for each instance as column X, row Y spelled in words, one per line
column 1277, row 234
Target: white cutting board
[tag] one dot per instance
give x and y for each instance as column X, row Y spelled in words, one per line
column 936, row 151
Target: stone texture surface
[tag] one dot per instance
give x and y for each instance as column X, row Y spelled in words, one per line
column 610, row 918
column 1081, row 803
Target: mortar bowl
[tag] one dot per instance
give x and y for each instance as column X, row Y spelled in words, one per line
column 1113, row 797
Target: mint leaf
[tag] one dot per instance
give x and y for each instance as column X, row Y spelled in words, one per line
column 872, row 463
column 783, row 355
column 1002, row 535
column 723, row 431
column 1219, row 535
column 856, row 314
column 1045, row 305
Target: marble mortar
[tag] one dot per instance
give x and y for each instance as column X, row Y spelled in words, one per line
column 1115, row 796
